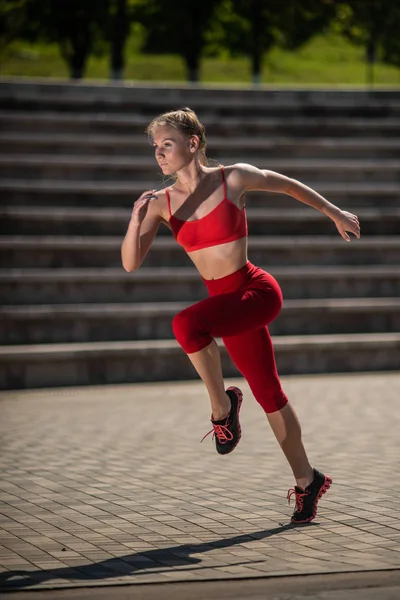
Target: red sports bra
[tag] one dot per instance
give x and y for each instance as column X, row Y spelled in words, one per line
column 225, row 223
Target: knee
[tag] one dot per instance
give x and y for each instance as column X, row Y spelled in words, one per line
column 182, row 326
column 273, row 402
column 189, row 332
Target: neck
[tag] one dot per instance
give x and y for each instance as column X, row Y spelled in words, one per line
column 190, row 176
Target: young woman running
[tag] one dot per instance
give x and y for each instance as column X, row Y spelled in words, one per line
column 205, row 210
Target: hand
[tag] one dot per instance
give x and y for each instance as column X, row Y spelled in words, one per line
column 346, row 221
column 140, row 207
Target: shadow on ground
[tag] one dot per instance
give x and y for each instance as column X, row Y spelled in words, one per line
column 158, row 560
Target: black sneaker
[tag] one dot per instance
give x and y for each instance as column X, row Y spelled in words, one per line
column 307, row 500
column 227, row 432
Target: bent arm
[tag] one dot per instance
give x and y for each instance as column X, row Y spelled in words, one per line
column 138, row 239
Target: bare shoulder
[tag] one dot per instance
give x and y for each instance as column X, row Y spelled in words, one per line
column 160, row 206
column 240, row 171
column 240, row 174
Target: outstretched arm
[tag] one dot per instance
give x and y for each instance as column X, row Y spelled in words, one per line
column 252, row 178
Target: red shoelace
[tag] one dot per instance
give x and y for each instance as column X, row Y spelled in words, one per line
column 221, row 432
column 299, row 498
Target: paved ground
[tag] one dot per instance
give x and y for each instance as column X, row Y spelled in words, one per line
column 338, row 586
column 110, row 485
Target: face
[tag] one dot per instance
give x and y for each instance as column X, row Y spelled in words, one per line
column 172, row 149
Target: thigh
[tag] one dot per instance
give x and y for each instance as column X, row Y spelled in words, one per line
column 237, row 312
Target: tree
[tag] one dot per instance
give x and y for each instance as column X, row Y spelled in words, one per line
column 78, row 27
column 253, row 27
column 123, row 15
column 177, row 28
column 375, row 24
column 391, row 42
column 119, row 33
column 12, row 20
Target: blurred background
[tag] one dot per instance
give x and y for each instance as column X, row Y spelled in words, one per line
column 240, row 41
column 307, row 88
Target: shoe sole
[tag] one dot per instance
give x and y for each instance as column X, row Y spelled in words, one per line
column 240, row 399
column 324, row 488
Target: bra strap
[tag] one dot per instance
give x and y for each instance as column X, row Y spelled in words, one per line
column 223, row 180
column 168, row 201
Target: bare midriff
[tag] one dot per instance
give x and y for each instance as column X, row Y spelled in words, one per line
column 218, row 261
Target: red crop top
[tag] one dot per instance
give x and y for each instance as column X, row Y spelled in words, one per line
column 225, row 223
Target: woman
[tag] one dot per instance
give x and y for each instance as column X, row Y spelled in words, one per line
column 205, row 210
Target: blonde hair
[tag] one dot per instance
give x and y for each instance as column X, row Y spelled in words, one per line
column 185, row 121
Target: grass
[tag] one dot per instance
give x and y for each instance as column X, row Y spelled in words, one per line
column 325, row 60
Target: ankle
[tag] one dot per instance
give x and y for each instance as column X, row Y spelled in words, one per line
column 222, row 409
column 303, row 482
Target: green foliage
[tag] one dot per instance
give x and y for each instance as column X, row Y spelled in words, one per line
column 288, row 24
column 300, row 21
column 12, row 20
column 197, row 29
column 228, row 32
column 170, row 26
column 375, row 24
column 253, row 27
column 328, row 59
column 132, row 8
column 233, row 25
column 174, row 27
column 71, row 23
column 391, row 44
column 77, row 26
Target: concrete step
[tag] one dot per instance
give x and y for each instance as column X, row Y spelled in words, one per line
column 204, row 100
column 129, row 124
column 59, row 286
column 86, row 251
column 27, row 220
column 62, row 323
column 138, row 145
column 51, row 365
column 99, row 168
column 21, row 192
column 115, row 91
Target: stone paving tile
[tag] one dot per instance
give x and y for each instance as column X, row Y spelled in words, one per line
column 110, row 485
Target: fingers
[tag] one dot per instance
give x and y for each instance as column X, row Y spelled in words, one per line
column 343, row 233
column 145, row 198
column 152, row 195
column 355, row 231
column 350, row 224
column 356, row 228
column 149, row 194
column 140, row 203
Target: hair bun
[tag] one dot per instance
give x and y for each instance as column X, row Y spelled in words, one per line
column 186, row 109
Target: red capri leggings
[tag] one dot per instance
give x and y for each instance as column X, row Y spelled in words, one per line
column 238, row 310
